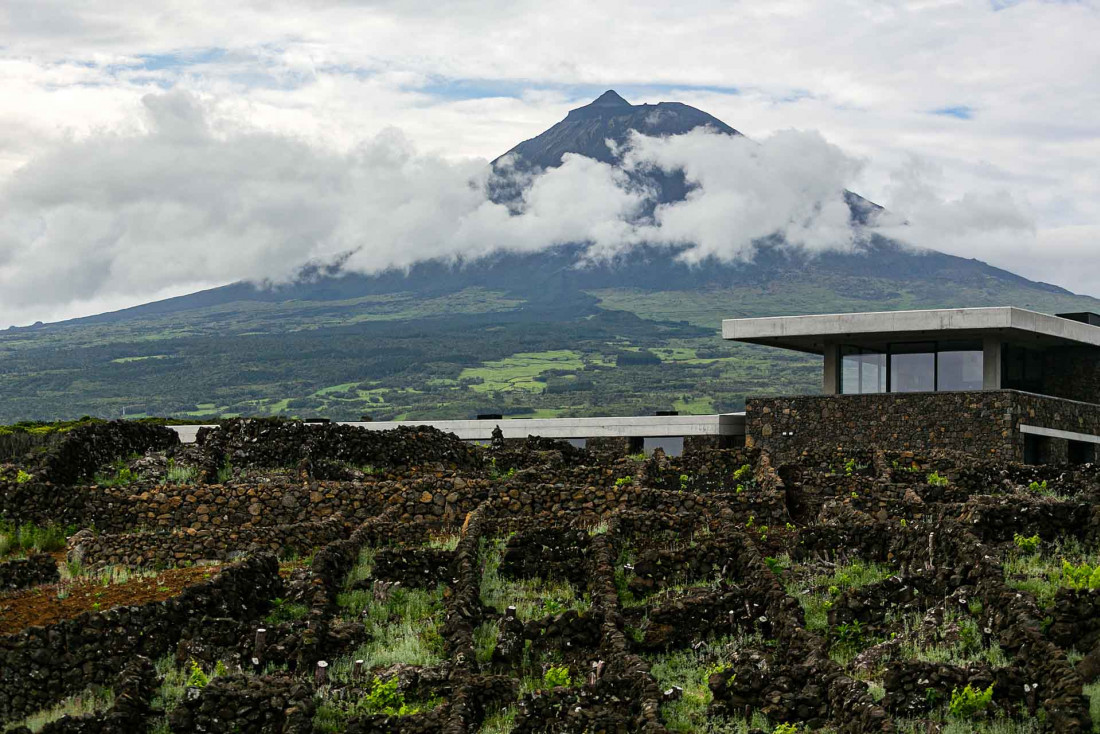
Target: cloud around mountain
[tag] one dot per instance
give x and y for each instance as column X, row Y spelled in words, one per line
column 194, row 199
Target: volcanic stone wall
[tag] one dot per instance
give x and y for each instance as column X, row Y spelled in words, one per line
column 984, row 424
column 239, row 504
column 85, row 449
column 40, row 568
column 278, row 443
column 163, row 549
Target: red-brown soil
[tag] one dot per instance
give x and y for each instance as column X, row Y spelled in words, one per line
column 40, row 605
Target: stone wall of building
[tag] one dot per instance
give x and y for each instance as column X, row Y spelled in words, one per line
column 984, row 424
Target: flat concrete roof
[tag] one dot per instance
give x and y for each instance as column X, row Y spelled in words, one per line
column 878, row 328
column 647, row 426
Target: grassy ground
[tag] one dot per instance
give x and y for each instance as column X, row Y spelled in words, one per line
column 92, row 700
column 686, row 669
column 533, row 598
column 815, row 591
column 1040, row 573
column 403, row 627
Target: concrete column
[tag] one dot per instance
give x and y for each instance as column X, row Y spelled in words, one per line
column 991, row 363
column 830, row 370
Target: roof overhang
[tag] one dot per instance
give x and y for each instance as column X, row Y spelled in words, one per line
column 871, row 329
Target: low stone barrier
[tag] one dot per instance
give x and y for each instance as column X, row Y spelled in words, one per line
column 34, row 570
column 235, row 703
column 163, row 549
column 85, row 449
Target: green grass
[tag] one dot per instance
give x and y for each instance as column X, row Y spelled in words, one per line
column 685, row 668
column 999, row 725
column 1092, row 690
column 533, row 598
column 816, row 592
column 1040, row 574
column 485, row 640
column 698, row 405
column 447, row 542
column 19, row 540
column 178, row 474
column 502, row 722
column 519, row 371
column 403, row 628
column 363, row 566
column 967, row 650
column 284, row 611
column 92, row 700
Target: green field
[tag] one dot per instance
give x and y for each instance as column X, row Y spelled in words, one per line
column 519, row 371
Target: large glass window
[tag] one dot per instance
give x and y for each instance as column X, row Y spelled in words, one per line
column 959, row 366
column 862, row 371
column 1022, row 369
column 913, row 367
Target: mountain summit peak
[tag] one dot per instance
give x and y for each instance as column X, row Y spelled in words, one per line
column 610, row 98
column 608, row 103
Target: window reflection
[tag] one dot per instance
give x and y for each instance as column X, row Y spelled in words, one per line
column 913, row 367
column 959, row 366
column 862, row 371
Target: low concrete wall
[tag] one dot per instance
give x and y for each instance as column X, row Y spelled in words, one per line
column 646, row 426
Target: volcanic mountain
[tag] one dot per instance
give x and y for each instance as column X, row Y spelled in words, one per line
column 512, row 332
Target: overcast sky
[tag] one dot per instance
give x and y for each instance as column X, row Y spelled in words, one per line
column 149, row 149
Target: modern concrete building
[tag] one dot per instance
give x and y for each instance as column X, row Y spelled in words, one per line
column 1004, row 381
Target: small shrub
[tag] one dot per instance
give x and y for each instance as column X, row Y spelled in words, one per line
column 743, row 474
column 850, row 467
column 1027, row 545
column 1041, row 488
column 935, row 480
column 787, row 728
column 716, row 669
column 623, row 481
column 776, row 565
column 225, row 473
column 557, row 675
column 122, row 476
column 179, row 474
column 384, row 698
column 969, row 702
column 684, row 479
column 640, row 456
column 1080, row 577
column 197, row 679
column 22, row 477
column 284, row 611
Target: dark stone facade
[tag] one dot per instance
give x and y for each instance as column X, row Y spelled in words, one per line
column 984, row 424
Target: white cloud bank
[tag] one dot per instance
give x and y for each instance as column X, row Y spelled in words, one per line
column 271, row 148
column 192, row 199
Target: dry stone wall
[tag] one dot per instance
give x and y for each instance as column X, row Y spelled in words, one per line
column 34, row 570
column 984, row 424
